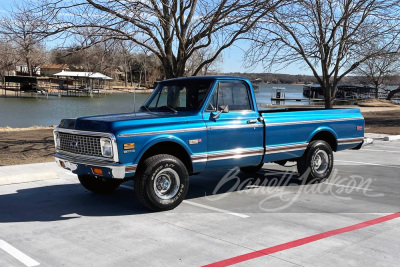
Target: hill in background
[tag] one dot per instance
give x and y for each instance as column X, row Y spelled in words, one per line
column 276, row 78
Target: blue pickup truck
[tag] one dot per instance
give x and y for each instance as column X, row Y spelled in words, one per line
column 188, row 125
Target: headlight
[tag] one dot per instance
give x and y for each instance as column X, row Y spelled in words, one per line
column 106, row 147
column 57, row 140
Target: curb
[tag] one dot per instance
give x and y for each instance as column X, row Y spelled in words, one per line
column 26, row 178
column 367, row 141
column 391, row 138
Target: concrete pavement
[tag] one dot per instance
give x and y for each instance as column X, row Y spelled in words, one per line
column 57, row 222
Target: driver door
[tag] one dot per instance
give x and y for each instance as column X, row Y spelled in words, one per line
column 234, row 136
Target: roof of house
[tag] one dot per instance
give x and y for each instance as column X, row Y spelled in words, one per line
column 78, row 74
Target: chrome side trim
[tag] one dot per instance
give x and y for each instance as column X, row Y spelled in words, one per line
column 310, row 121
column 165, row 132
column 236, row 126
column 199, row 158
column 89, row 133
column 131, row 168
column 347, row 141
column 285, row 148
column 227, row 154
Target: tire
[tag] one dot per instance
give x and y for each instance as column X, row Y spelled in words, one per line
column 317, row 162
column 162, row 182
column 252, row 169
column 98, row 185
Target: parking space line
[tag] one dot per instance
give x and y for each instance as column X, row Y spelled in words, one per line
column 215, row 209
column 355, row 187
column 301, row 241
column 203, row 206
column 387, row 151
column 28, row 261
column 366, row 163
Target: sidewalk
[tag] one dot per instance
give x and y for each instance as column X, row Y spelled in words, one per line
column 29, row 173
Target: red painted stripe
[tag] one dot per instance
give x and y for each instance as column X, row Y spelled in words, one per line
column 302, row 241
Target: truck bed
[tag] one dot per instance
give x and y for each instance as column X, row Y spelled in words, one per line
column 288, row 131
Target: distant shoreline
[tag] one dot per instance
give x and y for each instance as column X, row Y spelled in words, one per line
column 35, row 144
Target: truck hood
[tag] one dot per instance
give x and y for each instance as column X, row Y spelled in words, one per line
column 118, row 122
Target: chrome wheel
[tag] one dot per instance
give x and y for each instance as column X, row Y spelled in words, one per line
column 166, row 184
column 320, row 162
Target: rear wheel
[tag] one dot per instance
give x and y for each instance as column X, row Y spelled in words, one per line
column 162, row 182
column 98, row 184
column 317, row 162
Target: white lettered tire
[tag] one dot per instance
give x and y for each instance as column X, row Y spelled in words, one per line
column 162, row 182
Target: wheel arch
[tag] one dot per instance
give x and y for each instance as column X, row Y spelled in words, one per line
column 325, row 134
column 170, row 146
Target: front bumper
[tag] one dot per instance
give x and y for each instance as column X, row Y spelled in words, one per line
column 85, row 167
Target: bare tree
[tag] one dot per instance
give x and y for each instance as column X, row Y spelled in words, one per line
column 325, row 36
column 26, row 30
column 8, row 57
column 173, row 30
column 393, row 93
column 198, row 58
column 379, row 69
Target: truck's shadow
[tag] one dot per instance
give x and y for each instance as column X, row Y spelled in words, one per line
column 63, row 202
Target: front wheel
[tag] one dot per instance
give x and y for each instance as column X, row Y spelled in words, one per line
column 98, row 185
column 162, row 182
column 317, row 162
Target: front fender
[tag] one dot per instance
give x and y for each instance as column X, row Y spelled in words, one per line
column 159, row 139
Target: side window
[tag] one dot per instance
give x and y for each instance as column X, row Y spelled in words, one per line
column 234, row 95
column 213, row 102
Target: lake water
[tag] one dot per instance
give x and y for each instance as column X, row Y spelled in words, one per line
column 25, row 112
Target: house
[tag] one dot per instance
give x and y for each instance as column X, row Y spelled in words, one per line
column 51, row 69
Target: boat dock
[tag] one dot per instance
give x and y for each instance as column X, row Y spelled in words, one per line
column 66, row 84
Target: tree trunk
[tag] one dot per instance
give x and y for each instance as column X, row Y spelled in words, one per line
column 28, row 65
column 392, row 93
column 126, row 77
column 131, row 74
column 328, row 101
column 328, row 96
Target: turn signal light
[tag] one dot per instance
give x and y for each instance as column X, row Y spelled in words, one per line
column 129, row 146
column 97, row 171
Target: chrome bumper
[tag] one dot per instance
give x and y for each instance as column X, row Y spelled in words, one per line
column 84, row 167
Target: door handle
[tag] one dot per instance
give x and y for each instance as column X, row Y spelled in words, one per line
column 252, row 121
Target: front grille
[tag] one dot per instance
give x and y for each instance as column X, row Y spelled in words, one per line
column 80, row 144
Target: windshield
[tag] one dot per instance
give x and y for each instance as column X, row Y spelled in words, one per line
column 173, row 96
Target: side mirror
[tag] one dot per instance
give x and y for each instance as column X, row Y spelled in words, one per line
column 223, row 109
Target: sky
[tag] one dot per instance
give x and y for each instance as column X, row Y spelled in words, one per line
column 232, row 57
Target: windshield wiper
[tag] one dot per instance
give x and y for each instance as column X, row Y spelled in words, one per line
column 144, row 107
column 169, row 108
